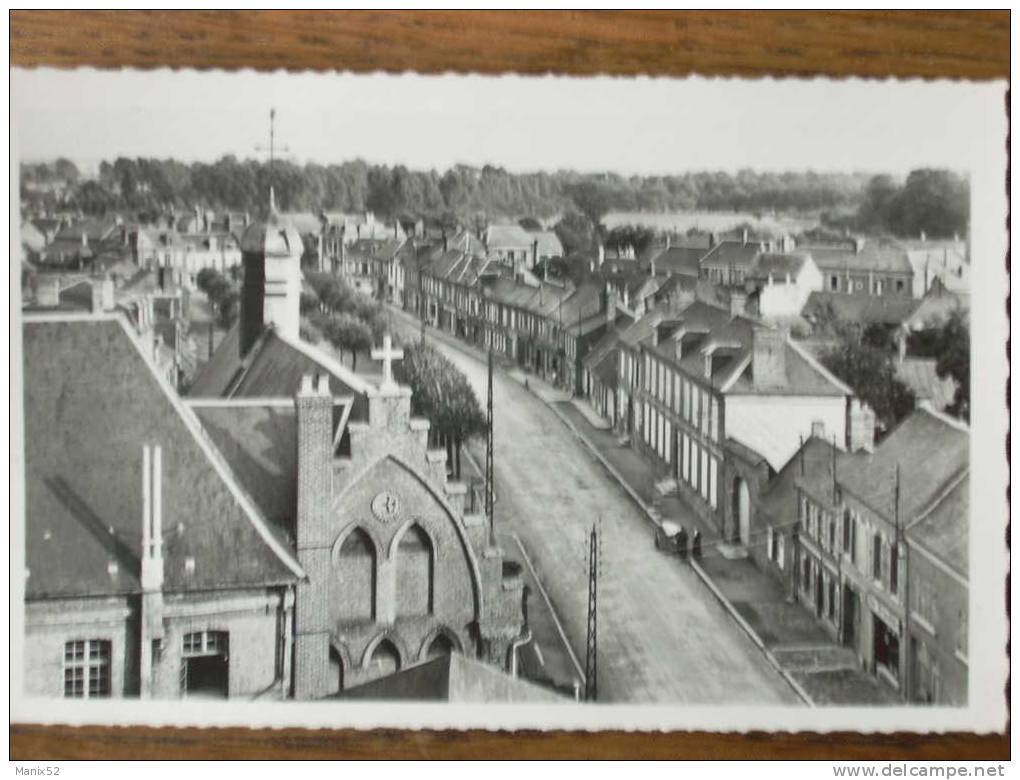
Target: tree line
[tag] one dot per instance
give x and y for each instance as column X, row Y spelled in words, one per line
column 147, row 184
column 930, row 200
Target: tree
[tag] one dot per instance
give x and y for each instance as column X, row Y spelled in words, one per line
column 227, row 309
column 638, row 237
column 936, row 202
column 530, row 224
column 870, row 373
column 949, row 343
column 345, row 331
column 592, row 199
column 442, row 394
column 575, row 232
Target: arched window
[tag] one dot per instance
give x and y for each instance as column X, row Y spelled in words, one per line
column 385, row 660
column 440, row 646
column 355, row 578
column 414, row 572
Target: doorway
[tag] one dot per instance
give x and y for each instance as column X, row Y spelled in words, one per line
column 849, row 616
column 205, row 667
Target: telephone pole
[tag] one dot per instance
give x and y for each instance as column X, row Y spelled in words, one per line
column 490, row 495
column 591, row 661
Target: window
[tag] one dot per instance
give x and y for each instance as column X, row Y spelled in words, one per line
column 834, row 283
column 205, row 643
column 87, row 668
column 893, row 567
column 899, row 285
column 832, row 598
column 713, row 471
column 832, row 534
column 771, row 542
column 876, row 557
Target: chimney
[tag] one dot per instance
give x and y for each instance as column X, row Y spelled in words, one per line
column 315, row 433
column 669, row 237
column 651, row 267
column 601, row 253
column 678, row 344
column 768, row 357
column 712, row 240
column 901, row 345
column 818, row 429
column 738, row 303
column 48, row 291
column 860, row 428
column 744, row 237
column 858, row 245
column 924, row 236
column 708, row 363
column 102, row 295
column 534, row 253
column 610, row 301
column 446, row 241
column 152, row 517
column 152, row 569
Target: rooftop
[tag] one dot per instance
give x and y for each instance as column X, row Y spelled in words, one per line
column 452, row 678
column 92, row 400
column 929, row 449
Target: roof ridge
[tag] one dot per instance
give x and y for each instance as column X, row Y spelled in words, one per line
column 952, row 422
column 949, row 487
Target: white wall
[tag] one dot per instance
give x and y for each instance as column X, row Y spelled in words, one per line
column 773, row 425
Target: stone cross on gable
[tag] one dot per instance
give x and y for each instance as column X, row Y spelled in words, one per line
column 387, row 355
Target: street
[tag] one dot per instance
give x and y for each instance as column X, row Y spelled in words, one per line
column 662, row 636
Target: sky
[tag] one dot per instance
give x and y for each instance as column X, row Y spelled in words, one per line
column 629, row 126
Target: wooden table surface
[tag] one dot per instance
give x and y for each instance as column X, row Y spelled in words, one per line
column 969, row 45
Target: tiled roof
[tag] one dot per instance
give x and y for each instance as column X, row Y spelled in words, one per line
column 943, row 529
column 877, row 255
column 677, row 260
column 731, row 254
column 810, row 467
column 778, row 265
column 452, row 678
column 880, row 309
column 260, row 444
column 548, row 243
column 510, row 236
column 731, row 338
column 930, row 450
column 92, row 400
column 273, row 368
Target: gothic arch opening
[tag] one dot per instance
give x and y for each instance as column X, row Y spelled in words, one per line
column 415, row 572
column 384, row 661
column 440, row 646
column 355, row 577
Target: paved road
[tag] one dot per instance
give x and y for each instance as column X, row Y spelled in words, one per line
column 662, row 636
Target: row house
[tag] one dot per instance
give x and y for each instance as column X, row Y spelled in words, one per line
column 872, row 541
column 895, row 501
column 719, row 402
column 184, row 253
column 452, row 294
column 875, row 268
column 372, row 267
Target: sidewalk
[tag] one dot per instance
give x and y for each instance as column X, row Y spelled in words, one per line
column 819, row 669
column 825, row 672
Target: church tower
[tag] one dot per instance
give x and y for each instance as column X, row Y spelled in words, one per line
column 271, row 290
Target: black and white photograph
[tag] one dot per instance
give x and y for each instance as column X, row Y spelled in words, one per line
column 508, row 402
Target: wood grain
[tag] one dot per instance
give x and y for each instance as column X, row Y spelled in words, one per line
column 904, row 43
column 969, row 45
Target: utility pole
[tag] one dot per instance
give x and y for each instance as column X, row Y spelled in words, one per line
column 591, row 661
column 490, row 494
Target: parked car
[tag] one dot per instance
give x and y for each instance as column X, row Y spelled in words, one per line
column 671, row 538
